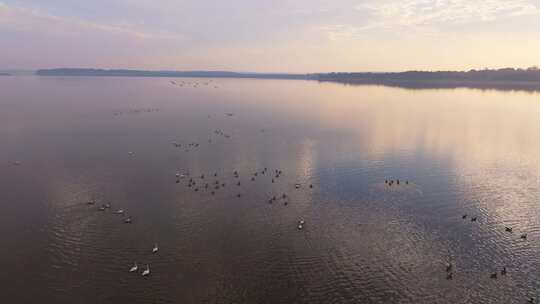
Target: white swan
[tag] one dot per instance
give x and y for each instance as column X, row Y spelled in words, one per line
column 155, row 249
column 134, row 268
column 146, row 271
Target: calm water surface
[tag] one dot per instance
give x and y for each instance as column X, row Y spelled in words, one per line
column 66, row 141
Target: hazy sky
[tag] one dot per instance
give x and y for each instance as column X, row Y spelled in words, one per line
column 264, row 35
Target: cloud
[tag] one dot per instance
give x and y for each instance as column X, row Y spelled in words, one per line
column 280, row 35
column 418, row 13
column 426, row 17
column 33, row 20
column 33, row 38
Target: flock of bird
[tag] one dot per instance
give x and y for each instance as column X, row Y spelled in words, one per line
column 449, row 266
column 493, row 275
column 127, row 220
column 210, row 183
column 391, row 182
column 193, row 84
column 136, row 111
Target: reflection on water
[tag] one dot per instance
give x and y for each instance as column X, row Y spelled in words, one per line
column 523, row 86
column 462, row 151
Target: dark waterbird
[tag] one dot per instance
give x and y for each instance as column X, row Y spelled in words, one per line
column 449, row 267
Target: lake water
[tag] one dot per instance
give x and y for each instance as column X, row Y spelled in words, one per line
column 67, row 141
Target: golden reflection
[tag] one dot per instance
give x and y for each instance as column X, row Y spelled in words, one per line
column 467, row 126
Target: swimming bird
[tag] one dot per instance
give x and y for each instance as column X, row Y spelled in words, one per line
column 508, row 229
column 473, row 219
column 531, row 300
column 450, row 276
column 120, row 211
column 449, row 267
column 300, row 227
column 464, row 216
column 301, row 222
column 134, row 268
column 523, row 236
column 503, row 271
column 155, row 249
column 146, row 271
column 127, row 220
column 311, row 185
column 297, row 186
column 493, row 275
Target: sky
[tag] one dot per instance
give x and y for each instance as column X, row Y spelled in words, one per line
column 297, row 36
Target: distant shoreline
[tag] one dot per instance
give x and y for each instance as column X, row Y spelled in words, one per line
column 178, row 74
column 5, row 74
column 446, row 84
column 503, row 79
